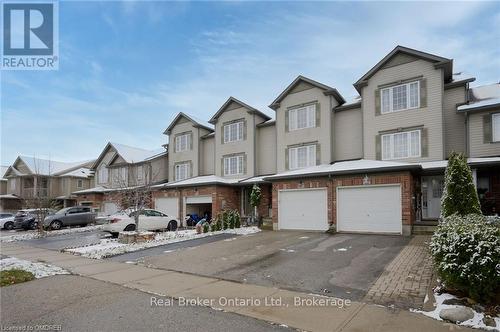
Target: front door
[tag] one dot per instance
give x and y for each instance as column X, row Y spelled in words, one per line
column 432, row 190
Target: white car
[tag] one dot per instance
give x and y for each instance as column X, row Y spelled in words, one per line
column 6, row 221
column 149, row 220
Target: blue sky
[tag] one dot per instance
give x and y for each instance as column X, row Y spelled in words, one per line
column 126, row 68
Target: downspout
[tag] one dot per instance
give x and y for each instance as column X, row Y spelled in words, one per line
column 467, row 143
column 198, row 140
column 254, row 128
column 332, row 133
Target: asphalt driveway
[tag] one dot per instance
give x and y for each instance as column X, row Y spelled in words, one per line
column 343, row 265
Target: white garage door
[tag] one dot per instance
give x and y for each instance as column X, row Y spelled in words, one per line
column 110, row 208
column 304, row 209
column 371, row 209
column 169, row 206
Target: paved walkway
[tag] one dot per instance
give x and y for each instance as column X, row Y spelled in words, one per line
column 405, row 281
column 298, row 310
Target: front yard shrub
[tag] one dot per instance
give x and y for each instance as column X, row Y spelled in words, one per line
column 231, row 219
column 14, row 276
column 466, row 251
column 206, row 228
column 237, row 220
column 460, row 195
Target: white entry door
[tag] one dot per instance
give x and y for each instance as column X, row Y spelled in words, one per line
column 303, row 209
column 168, row 205
column 370, row 209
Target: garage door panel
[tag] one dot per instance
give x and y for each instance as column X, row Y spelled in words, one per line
column 374, row 209
column 303, row 209
column 169, row 206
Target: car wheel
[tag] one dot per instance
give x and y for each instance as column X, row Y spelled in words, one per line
column 172, row 225
column 55, row 225
column 8, row 226
column 33, row 225
column 130, row 228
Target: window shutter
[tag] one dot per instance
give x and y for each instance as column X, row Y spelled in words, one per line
column 378, row 148
column 487, row 129
column 245, row 163
column 287, row 121
column 424, row 141
column 377, row 102
column 190, row 141
column 222, row 135
column 245, row 130
column 222, row 172
column 318, row 114
column 318, row 154
column 190, row 169
column 287, row 166
column 423, row 92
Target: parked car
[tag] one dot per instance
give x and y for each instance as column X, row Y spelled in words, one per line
column 6, row 221
column 149, row 220
column 30, row 218
column 71, row 216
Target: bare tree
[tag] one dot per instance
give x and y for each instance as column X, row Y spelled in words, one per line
column 38, row 196
column 134, row 191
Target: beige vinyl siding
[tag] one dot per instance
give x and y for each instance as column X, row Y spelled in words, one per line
column 3, row 187
column 208, row 155
column 245, row 146
column 348, row 139
column 191, row 155
column 454, row 123
column 477, row 146
column 266, row 150
column 70, row 184
column 105, row 161
column 21, row 167
column 321, row 134
column 17, row 189
column 159, row 169
column 430, row 117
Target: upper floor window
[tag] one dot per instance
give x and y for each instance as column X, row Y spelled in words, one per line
column 12, row 184
column 401, row 145
column 182, row 171
column 495, row 121
column 140, row 173
column 302, row 156
column 233, row 132
column 183, row 142
column 300, row 118
column 400, row 97
column 120, row 176
column 234, row 165
column 103, row 174
column 79, row 183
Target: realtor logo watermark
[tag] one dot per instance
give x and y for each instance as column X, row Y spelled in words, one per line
column 30, row 38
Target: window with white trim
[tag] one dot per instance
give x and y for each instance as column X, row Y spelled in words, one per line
column 401, row 145
column 495, row 126
column 233, row 132
column 300, row 118
column 400, row 97
column 183, row 142
column 302, row 156
column 103, row 174
column 140, row 173
column 12, row 184
column 182, row 171
column 234, row 165
column 79, row 183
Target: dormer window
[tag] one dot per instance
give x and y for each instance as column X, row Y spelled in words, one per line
column 400, row 97
column 233, row 132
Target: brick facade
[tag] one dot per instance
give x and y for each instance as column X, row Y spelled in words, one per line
column 95, row 198
column 331, row 183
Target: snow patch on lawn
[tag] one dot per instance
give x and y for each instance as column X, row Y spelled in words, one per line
column 111, row 247
column 29, row 235
column 39, row 270
column 475, row 322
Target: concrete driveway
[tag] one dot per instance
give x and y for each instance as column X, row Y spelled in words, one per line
column 342, row 265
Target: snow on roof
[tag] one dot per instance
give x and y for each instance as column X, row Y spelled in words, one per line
column 200, row 180
column 9, row 196
column 82, row 172
column 98, row 189
column 201, row 122
column 48, row 167
column 471, row 161
column 361, row 165
column 461, row 76
column 134, row 155
column 3, row 169
column 255, row 179
column 479, row 104
column 482, row 96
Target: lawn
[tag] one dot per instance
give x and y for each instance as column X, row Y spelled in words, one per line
column 15, row 276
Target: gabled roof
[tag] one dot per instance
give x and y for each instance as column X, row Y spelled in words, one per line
column 82, row 172
column 45, row 166
column 230, row 100
column 196, row 122
column 439, row 62
column 130, row 154
column 327, row 90
column 3, row 170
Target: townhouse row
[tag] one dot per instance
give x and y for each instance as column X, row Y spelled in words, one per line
column 375, row 164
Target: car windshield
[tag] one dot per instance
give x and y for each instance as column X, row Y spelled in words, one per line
column 61, row 211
